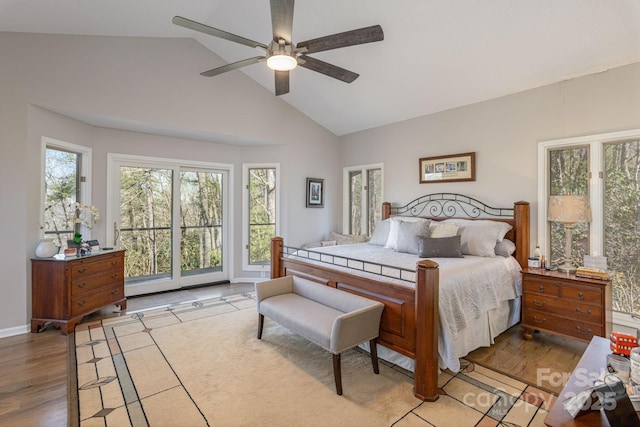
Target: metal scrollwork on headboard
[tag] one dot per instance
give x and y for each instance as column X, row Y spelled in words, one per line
column 450, row 205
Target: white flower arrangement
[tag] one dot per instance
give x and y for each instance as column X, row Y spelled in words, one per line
column 87, row 215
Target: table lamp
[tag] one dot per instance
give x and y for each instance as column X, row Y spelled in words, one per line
column 568, row 210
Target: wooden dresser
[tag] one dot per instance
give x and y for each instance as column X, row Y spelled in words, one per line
column 66, row 290
column 563, row 304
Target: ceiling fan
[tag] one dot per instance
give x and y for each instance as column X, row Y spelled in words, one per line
column 281, row 55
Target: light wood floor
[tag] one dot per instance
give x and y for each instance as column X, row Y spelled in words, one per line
column 33, row 367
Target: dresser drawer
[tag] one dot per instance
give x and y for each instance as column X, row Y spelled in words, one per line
column 572, row 327
column 89, row 302
column 583, row 295
column 89, row 266
column 89, row 283
column 575, row 310
column 541, row 287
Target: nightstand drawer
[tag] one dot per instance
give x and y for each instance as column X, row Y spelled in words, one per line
column 575, row 310
column 574, row 328
column 540, row 287
column 584, row 295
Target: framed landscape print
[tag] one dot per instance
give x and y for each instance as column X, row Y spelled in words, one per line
column 451, row 168
column 315, row 193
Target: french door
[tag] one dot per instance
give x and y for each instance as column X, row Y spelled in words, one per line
column 171, row 218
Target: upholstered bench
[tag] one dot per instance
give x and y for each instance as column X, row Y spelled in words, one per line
column 333, row 319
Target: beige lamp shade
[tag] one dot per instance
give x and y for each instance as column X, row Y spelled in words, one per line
column 569, row 209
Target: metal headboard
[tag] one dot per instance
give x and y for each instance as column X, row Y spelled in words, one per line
column 450, row 205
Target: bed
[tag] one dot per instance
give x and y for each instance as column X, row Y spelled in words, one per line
column 412, row 326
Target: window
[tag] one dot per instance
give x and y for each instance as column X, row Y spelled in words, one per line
column 260, row 213
column 172, row 218
column 66, row 167
column 362, row 198
column 607, row 169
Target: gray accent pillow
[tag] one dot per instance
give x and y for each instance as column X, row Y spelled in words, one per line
column 440, row 247
column 409, row 234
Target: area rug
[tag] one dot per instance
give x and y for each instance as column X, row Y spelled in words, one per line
column 200, row 364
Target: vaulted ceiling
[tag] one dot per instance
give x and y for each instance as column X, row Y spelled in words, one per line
column 436, row 54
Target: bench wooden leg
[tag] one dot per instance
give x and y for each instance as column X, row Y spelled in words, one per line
column 337, row 373
column 374, row 355
column 260, row 325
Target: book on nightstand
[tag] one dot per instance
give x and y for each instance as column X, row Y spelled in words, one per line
column 592, row 273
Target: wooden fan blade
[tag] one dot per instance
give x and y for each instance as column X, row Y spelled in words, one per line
column 233, row 66
column 282, row 19
column 201, row 28
column 348, row 38
column 327, row 69
column 282, row 82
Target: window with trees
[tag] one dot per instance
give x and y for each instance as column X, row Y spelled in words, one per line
column 261, row 214
column 606, row 168
column 171, row 217
column 362, row 198
column 66, row 167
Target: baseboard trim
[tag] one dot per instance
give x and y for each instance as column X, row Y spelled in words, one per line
column 16, row 330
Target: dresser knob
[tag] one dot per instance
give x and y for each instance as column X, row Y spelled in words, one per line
column 535, row 319
column 539, row 304
column 581, row 313
column 114, row 276
column 585, row 332
column 580, row 295
column 113, row 292
column 82, row 270
column 82, row 303
column 541, row 288
column 82, row 285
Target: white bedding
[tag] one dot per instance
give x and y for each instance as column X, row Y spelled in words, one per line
column 474, row 291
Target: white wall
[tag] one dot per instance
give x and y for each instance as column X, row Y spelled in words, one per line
column 504, row 133
column 147, row 81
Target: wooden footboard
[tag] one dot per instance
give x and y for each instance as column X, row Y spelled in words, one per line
column 409, row 323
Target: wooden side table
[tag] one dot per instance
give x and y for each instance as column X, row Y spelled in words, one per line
column 591, row 364
column 564, row 304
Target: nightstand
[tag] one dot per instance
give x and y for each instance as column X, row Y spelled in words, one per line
column 563, row 304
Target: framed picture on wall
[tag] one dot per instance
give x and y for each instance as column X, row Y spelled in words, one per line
column 315, row 193
column 451, row 168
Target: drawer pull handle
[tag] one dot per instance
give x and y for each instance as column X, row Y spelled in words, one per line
column 114, row 262
column 82, row 270
column 586, row 332
column 113, row 292
column 82, row 303
column 535, row 319
column 580, row 295
column 541, row 288
column 82, row 285
column 583, row 313
column 114, row 276
column 539, row 304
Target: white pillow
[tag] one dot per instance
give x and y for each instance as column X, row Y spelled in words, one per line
column 438, row 229
column 409, row 234
column 392, row 239
column 506, row 248
column 479, row 237
column 380, row 233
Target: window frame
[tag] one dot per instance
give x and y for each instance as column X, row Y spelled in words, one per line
column 246, row 266
column 596, row 193
column 346, row 193
column 84, row 185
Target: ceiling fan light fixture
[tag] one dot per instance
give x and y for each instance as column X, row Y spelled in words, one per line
column 282, row 62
